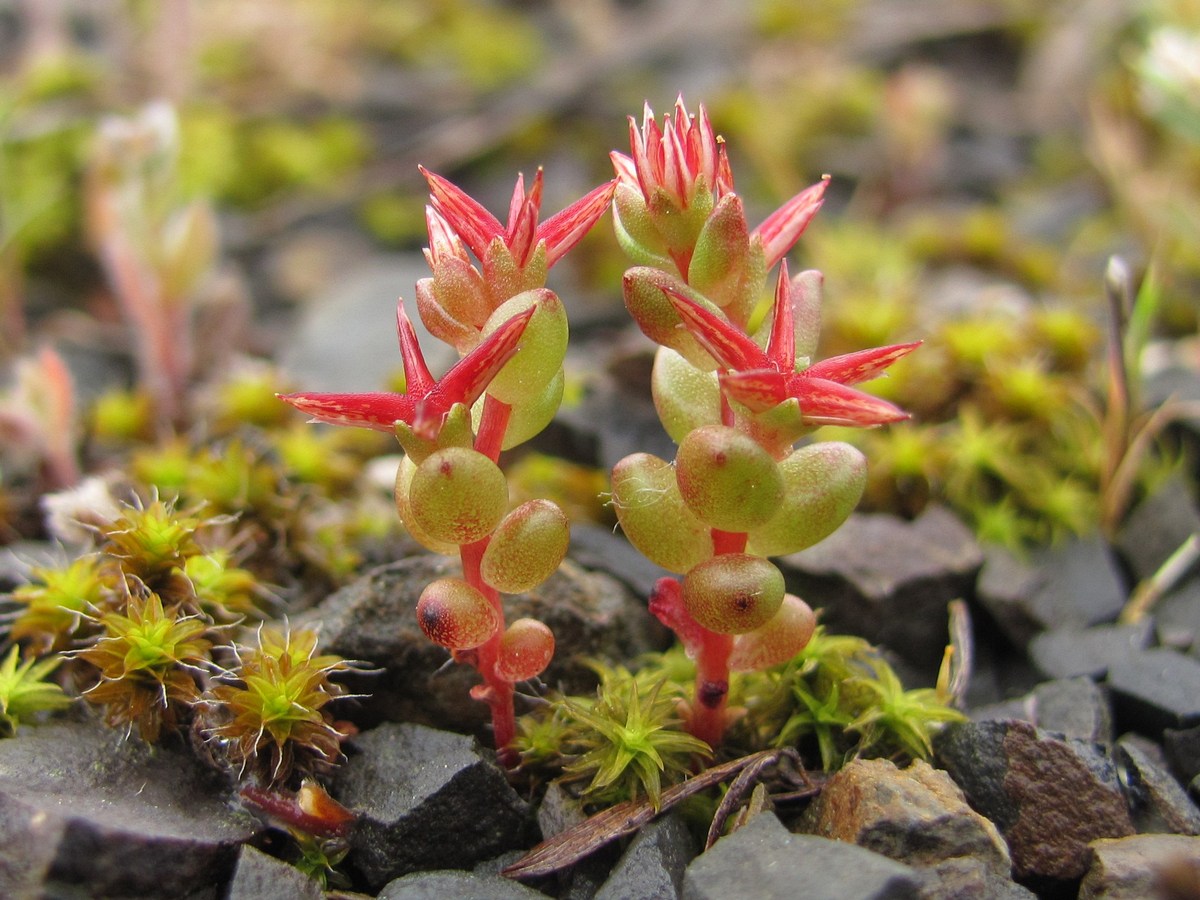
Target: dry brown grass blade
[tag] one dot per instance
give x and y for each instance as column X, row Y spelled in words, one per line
column 572, row 845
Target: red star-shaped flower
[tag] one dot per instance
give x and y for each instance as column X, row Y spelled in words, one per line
column 426, row 400
column 761, row 379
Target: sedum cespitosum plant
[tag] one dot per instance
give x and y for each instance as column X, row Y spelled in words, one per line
column 735, row 388
column 736, row 395
column 511, row 334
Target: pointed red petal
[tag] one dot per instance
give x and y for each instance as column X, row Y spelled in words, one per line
column 417, row 380
column 378, row 411
column 829, row 403
column 624, row 167
column 726, row 343
column 565, row 229
column 516, row 203
column 470, row 376
column 781, row 346
column 474, row 224
column 757, row 389
column 862, row 365
column 783, row 227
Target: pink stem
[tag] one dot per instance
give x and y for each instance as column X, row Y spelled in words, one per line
column 498, row 693
column 708, row 717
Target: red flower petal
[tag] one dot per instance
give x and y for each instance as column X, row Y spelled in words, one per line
column 783, row 227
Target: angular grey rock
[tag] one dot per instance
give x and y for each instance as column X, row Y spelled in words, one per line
column 652, row 867
column 1181, row 746
column 1049, row 797
column 1158, row 802
column 374, row 619
column 84, row 810
column 765, row 861
column 1134, row 868
column 1154, row 690
column 258, row 876
column 916, row 816
column 1075, row 708
column 558, row 811
column 963, row 878
column 889, row 580
column 1073, row 585
column 445, row 885
column 1158, row 526
column 1177, row 617
column 1072, row 652
column 425, row 799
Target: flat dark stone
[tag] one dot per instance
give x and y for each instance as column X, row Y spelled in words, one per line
column 258, row 876
column 81, row 808
column 1069, row 586
column 652, row 867
column 445, row 885
column 889, row 580
column 1075, row 708
column 1157, row 800
column 1155, row 689
column 425, row 799
column 1072, row 652
column 1158, row 526
column 765, row 861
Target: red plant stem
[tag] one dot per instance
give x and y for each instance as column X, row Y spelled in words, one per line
column 492, row 426
column 712, row 662
column 498, row 693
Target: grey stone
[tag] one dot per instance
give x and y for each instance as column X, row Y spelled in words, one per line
column 1135, row 868
column 1071, row 652
column 1075, row 708
column 81, row 808
column 652, row 867
column 964, row 878
column 599, row 549
column 1155, row 689
column 1068, row 586
column 1158, row 802
column 765, row 861
column 1158, row 526
column 1181, row 746
column 1177, row 617
column 358, row 311
column 457, row 885
column 558, row 811
column 425, row 799
column 1048, row 796
column 258, row 876
column 889, row 580
column 374, row 619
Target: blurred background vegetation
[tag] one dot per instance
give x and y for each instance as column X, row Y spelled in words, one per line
column 988, row 157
